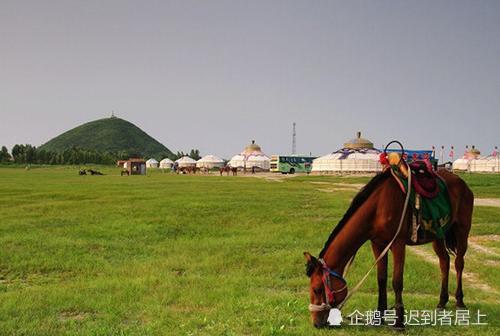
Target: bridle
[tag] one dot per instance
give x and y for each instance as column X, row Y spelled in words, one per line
column 329, row 292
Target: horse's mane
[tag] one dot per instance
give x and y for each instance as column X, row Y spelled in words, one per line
column 358, row 200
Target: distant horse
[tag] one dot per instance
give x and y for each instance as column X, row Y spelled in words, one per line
column 225, row 169
column 124, row 172
column 374, row 215
column 234, row 170
column 82, row 172
column 187, row 170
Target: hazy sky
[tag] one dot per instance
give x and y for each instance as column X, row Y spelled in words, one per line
column 215, row 74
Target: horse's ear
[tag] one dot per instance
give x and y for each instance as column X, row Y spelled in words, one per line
column 309, row 257
column 311, row 264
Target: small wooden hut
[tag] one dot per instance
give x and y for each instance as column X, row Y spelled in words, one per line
column 135, row 166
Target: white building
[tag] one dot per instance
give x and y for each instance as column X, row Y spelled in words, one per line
column 209, row 162
column 166, row 163
column 186, row 161
column 251, row 157
column 151, row 163
column 357, row 156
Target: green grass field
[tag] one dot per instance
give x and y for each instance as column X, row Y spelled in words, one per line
column 200, row 255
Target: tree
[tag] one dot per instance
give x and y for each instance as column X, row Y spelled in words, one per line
column 178, row 155
column 18, row 153
column 30, row 154
column 194, row 154
column 4, row 155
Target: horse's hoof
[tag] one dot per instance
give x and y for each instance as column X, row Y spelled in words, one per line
column 441, row 306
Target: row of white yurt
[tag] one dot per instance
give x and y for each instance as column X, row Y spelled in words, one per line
column 208, row 161
column 472, row 161
column 164, row 164
column 357, row 156
column 251, row 157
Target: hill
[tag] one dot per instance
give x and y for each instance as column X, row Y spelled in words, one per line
column 111, row 135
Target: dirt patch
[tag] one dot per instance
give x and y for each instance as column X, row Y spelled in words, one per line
column 326, row 190
column 483, row 249
column 493, row 263
column 339, row 186
column 472, row 278
column 272, row 177
column 355, row 186
column 492, row 202
column 330, row 190
column 484, row 238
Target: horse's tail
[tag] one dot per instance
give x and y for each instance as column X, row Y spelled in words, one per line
column 450, row 240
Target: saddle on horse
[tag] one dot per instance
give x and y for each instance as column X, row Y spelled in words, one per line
column 431, row 215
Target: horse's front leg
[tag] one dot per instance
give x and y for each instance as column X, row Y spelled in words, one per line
column 398, row 255
column 381, row 278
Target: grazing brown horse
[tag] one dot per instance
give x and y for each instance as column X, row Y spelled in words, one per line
column 374, row 215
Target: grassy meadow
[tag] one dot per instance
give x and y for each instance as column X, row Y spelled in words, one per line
column 171, row 254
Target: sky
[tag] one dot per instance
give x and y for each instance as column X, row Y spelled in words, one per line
column 215, row 75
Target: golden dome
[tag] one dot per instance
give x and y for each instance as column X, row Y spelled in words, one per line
column 253, row 147
column 358, row 143
column 474, row 151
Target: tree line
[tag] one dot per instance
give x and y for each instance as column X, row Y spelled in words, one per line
column 28, row 154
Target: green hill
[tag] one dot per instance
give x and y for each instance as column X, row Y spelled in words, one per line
column 111, row 135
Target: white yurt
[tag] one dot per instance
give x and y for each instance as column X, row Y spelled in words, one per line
column 186, row 161
column 166, row 163
column 151, row 163
column 237, row 161
column 357, row 156
column 210, row 161
column 251, row 157
column 261, row 162
column 473, row 162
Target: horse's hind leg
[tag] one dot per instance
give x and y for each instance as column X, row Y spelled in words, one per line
column 459, row 266
column 461, row 231
column 444, row 264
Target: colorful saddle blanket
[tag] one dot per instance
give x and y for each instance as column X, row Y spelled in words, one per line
column 424, row 179
column 429, row 199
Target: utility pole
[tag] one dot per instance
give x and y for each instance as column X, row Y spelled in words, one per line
column 294, row 140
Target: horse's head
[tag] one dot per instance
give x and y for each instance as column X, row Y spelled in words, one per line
column 327, row 290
